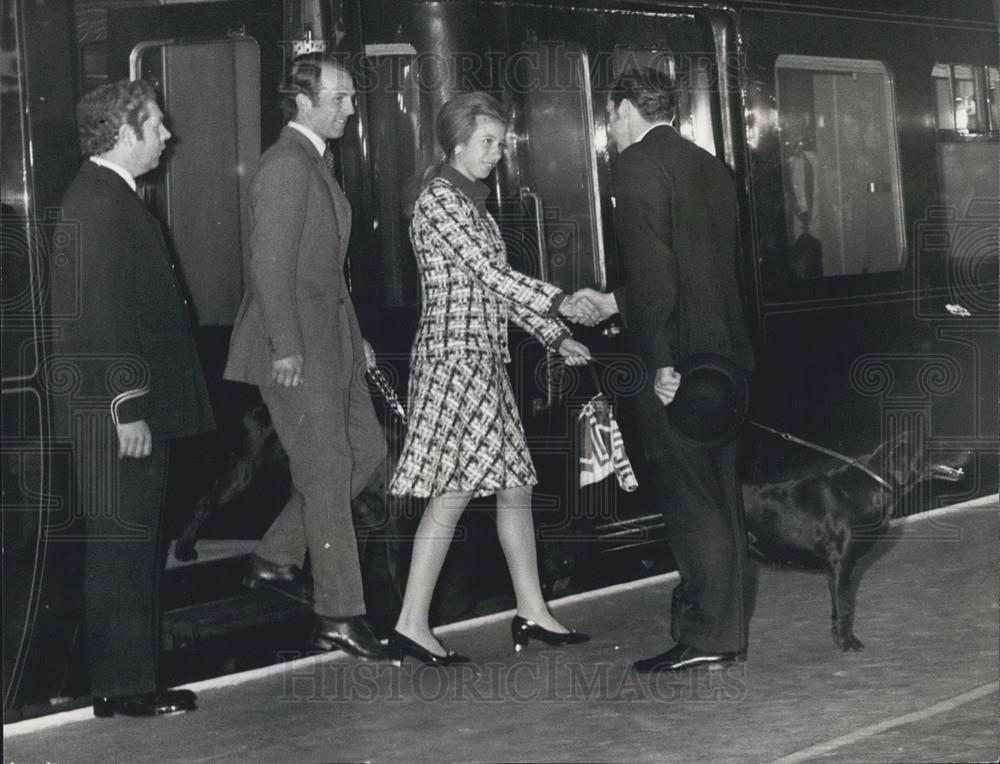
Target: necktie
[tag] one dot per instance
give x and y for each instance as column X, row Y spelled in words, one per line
column 328, row 160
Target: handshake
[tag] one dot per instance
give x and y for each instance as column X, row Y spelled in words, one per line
column 588, row 306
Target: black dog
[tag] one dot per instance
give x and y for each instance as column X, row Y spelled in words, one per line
column 832, row 520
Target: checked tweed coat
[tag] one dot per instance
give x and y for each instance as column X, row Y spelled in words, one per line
column 465, row 433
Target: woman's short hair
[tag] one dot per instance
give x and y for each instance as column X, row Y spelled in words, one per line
column 456, row 121
column 305, row 77
column 651, row 91
column 101, row 113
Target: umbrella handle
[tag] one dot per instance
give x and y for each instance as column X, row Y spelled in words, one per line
column 597, row 381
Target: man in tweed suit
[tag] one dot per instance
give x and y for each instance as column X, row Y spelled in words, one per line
column 297, row 338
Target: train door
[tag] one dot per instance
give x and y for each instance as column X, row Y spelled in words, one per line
column 216, row 139
column 562, row 64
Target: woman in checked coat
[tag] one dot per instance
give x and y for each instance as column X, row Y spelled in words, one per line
column 465, row 436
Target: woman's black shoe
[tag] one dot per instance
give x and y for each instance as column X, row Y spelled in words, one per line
column 521, row 630
column 401, row 645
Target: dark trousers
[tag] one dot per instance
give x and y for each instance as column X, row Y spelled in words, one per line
column 699, row 491
column 334, row 443
column 122, row 501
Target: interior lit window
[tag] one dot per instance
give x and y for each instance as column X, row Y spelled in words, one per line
column 840, row 166
column 966, row 98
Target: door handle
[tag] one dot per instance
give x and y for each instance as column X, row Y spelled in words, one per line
column 536, row 201
column 543, row 271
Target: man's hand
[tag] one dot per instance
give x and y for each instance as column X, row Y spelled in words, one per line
column 580, row 310
column 604, row 303
column 134, row 440
column 666, row 383
column 574, row 353
column 370, row 355
column 288, row 371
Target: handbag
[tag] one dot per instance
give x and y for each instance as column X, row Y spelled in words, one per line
column 602, row 449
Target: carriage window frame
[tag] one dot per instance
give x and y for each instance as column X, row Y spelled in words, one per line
column 951, row 122
column 394, row 92
column 835, row 65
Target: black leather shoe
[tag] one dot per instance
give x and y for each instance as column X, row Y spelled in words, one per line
column 353, row 635
column 401, row 646
column 148, row 704
column 522, row 630
column 285, row 579
column 682, row 656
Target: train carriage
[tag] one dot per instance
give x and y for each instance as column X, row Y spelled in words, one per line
column 863, row 138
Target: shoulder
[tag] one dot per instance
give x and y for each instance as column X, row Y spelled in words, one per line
column 283, row 167
column 286, row 153
column 641, row 168
column 439, row 195
column 96, row 196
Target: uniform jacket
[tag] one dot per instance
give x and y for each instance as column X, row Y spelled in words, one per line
column 296, row 300
column 676, row 222
column 119, row 313
column 468, row 290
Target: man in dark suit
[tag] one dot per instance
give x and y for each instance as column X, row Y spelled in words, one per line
column 676, row 222
column 126, row 381
column 297, row 338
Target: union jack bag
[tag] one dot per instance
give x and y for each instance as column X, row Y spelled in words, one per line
column 602, row 449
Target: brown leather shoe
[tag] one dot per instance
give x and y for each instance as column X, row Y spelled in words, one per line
column 353, row 635
column 285, row 579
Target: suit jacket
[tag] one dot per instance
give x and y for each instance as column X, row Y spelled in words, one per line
column 296, row 300
column 677, row 227
column 121, row 321
column 468, row 290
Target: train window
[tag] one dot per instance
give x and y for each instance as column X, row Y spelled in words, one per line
column 968, row 157
column 840, row 166
column 967, row 98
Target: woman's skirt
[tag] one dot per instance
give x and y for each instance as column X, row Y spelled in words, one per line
column 464, row 431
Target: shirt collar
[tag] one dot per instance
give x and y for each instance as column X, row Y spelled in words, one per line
column 314, row 139
column 652, row 127
column 476, row 190
column 117, row 169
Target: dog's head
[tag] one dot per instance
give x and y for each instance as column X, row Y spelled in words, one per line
column 906, row 460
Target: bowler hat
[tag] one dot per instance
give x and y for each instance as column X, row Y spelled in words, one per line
column 711, row 401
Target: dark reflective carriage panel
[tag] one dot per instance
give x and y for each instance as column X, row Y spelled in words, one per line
column 864, row 144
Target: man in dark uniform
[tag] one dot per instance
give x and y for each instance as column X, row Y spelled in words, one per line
column 676, row 222
column 126, row 381
column 297, row 339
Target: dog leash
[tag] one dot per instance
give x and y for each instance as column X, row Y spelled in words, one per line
column 829, row 452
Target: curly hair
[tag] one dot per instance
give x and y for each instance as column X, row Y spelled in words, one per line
column 305, row 77
column 101, row 113
column 651, row 91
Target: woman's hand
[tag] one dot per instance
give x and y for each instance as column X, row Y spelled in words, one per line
column 574, row 353
column 579, row 309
